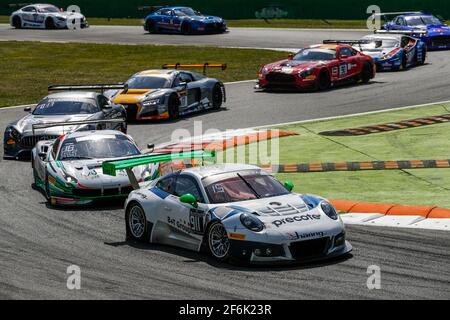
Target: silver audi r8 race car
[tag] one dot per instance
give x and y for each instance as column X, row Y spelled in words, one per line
column 233, row 211
column 66, row 109
column 46, row 16
column 69, row 169
column 169, row 94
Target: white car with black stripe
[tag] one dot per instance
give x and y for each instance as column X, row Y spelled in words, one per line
column 46, row 16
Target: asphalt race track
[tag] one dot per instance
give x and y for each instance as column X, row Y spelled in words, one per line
column 237, row 37
column 38, row 243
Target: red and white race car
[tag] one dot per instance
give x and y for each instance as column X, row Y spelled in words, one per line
column 317, row 67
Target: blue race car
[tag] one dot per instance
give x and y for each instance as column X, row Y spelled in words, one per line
column 390, row 50
column 429, row 29
column 183, row 20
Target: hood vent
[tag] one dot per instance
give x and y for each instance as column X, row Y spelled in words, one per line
column 286, row 210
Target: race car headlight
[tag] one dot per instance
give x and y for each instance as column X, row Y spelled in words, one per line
column 151, row 102
column 13, row 133
column 70, row 179
column 263, row 72
column 306, row 73
column 329, row 210
column 252, row 223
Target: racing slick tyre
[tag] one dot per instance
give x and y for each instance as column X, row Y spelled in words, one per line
column 218, row 242
column 217, row 97
column 47, row 191
column 17, row 22
column 424, row 57
column 50, row 24
column 137, row 228
column 150, row 25
column 404, row 64
column 174, row 111
column 323, row 81
column 186, row 28
column 366, row 73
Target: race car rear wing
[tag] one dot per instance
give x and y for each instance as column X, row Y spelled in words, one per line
column 93, row 87
column 349, row 42
column 75, row 123
column 386, row 15
column 406, row 32
column 111, row 167
column 204, row 66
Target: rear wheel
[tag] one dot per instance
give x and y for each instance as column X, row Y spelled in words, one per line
column 217, row 96
column 218, row 242
column 186, row 28
column 174, row 107
column 150, row 26
column 17, row 22
column 422, row 61
column 49, row 23
column 366, row 73
column 324, row 80
column 136, row 223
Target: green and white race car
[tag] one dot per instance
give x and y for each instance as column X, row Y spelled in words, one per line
column 69, row 169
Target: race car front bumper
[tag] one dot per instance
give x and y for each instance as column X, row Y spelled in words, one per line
column 286, row 82
column 295, row 251
column 138, row 112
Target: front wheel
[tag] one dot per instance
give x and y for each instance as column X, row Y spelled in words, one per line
column 48, row 193
column 174, row 107
column 323, row 81
column 136, row 223
column 186, row 28
column 150, row 26
column 366, row 73
column 17, row 22
column 217, row 96
column 50, row 23
column 422, row 61
column 218, row 242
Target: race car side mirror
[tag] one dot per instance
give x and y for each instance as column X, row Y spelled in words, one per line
column 27, row 109
column 189, row 199
column 290, row 56
column 289, row 186
column 151, row 147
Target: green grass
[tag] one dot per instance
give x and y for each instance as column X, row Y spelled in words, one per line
column 246, row 23
column 415, row 187
column 28, row 68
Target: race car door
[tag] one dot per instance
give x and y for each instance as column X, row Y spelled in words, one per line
column 187, row 223
column 29, row 16
column 349, row 65
column 189, row 93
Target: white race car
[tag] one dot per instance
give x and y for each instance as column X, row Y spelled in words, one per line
column 46, row 16
column 235, row 212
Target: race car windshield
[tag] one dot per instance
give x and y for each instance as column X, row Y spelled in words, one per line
column 52, row 107
column 421, row 21
column 186, row 12
column 315, row 55
column 97, row 148
column 49, row 10
column 243, row 187
column 148, row 82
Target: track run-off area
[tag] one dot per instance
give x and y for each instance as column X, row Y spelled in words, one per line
column 38, row 243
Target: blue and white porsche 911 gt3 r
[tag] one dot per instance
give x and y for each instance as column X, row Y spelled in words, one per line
column 236, row 212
